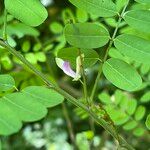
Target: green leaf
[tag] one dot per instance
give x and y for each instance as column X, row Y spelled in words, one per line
column 82, row 16
column 79, row 35
column 134, row 47
column 26, row 46
column 145, row 98
column 140, row 112
column 9, row 122
column 148, row 122
column 121, row 74
column 70, row 54
column 47, row 97
column 118, row 96
column 117, row 115
column 120, row 4
column 67, row 16
column 56, row 27
column 6, row 82
column 130, row 125
column 138, row 19
column 40, row 56
column 25, row 107
column 145, row 68
column 6, row 62
column 143, row 1
column 37, row 47
column 132, row 104
column 30, row 12
column 105, row 98
column 21, row 30
column 31, row 58
column 138, row 132
column 101, row 8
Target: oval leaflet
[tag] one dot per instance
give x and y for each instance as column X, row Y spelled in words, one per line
column 121, row 74
column 134, row 47
column 138, row 19
column 86, row 35
column 30, row 12
column 101, row 8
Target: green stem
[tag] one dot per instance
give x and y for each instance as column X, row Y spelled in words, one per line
column 84, row 78
column 69, row 124
column 107, row 51
column 5, row 26
column 65, row 94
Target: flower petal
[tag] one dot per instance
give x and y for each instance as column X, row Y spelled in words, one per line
column 65, row 66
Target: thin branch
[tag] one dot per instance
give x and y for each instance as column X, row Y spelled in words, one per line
column 5, row 26
column 107, row 51
column 84, row 79
column 65, row 94
column 69, row 124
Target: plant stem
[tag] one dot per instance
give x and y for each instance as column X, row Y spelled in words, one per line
column 5, row 26
column 107, row 51
column 69, row 124
column 84, row 78
column 65, row 94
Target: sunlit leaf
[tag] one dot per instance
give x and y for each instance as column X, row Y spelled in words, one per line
column 138, row 19
column 82, row 16
column 6, row 82
column 146, row 97
column 30, row 12
column 121, row 74
column 102, row 8
column 130, row 125
column 143, row 1
column 105, row 98
column 138, row 132
column 140, row 112
column 9, row 122
column 136, row 48
column 79, row 35
column 47, row 97
column 148, row 122
column 25, row 107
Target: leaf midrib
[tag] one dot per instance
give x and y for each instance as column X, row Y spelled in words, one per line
column 20, row 107
column 25, row 5
column 147, row 53
column 106, row 9
column 88, row 36
column 138, row 19
column 7, row 124
column 134, row 85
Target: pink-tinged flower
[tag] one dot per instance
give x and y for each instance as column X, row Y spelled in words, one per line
column 65, row 66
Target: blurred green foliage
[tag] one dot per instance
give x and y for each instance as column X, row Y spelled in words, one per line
column 40, row 46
